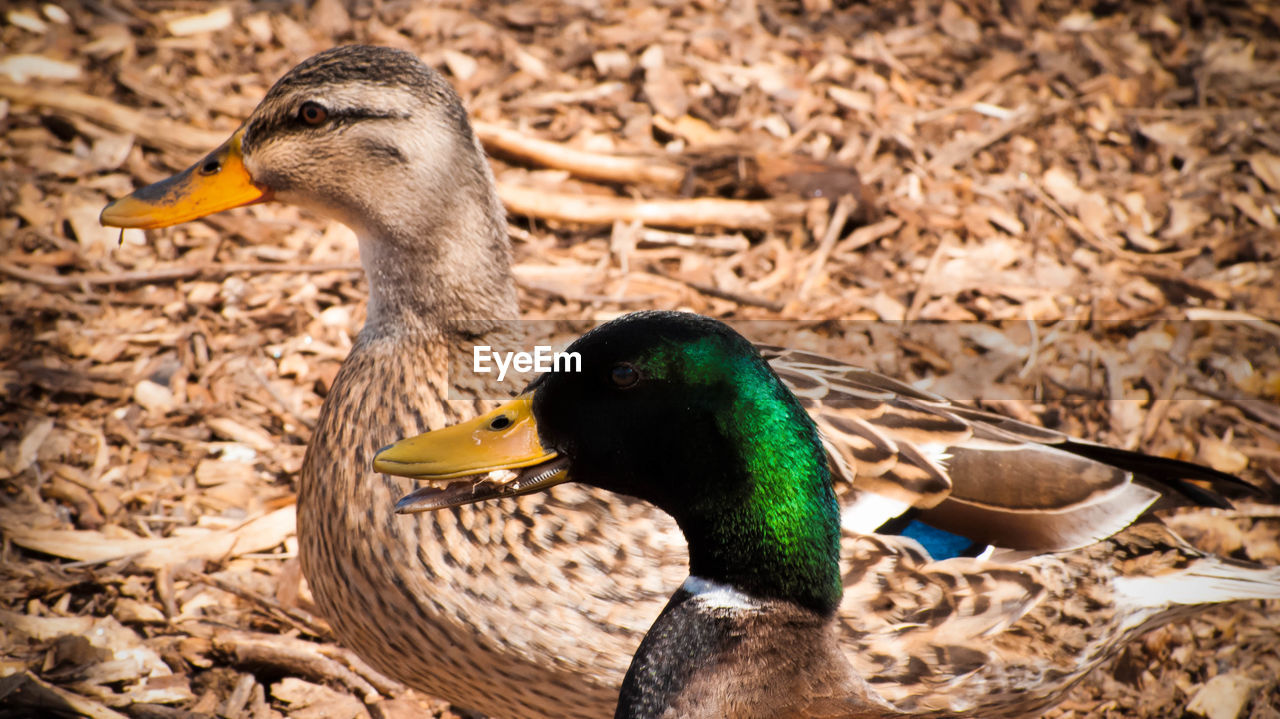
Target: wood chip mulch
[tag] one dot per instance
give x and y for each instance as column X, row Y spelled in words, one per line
column 1063, row 211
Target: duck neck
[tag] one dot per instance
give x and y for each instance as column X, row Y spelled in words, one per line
column 441, row 270
column 769, row 524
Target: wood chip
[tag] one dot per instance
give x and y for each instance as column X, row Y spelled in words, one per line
column 313, row 701
column 1223, row 697
column 212, row 21
column 25, row 690
column 21, row 68
column 256, row 535
column 26, row 20
column 240, row 432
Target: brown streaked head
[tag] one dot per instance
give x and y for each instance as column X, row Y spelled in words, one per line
column 357, row 133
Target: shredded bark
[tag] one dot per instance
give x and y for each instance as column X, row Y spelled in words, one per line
column 1062, row 211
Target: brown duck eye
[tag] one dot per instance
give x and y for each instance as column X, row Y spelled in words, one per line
column 312, row 113
column 624, row 375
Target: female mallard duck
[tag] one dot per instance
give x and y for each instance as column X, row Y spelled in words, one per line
column 681, row 411
column 556, row 595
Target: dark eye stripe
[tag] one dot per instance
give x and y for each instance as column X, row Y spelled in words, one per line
column 288, row 123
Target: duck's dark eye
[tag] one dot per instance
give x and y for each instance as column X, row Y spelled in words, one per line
column 502, row 421
column 312, row 113
column 624, row 375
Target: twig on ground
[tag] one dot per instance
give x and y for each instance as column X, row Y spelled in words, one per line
column 570, row 97
column 158, row 132
column 603, row 210
column 924, row 288
column 299, row 619
column 713, row 291
column 726, row 243
column 32, row 692
column 841, row 214
column 591, row 165
column 296, row 657
column 1079, row 229
column 1260, row 409
column 958, row 151
column 865, row 235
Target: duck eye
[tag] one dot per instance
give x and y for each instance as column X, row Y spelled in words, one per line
column 502, row 421
column 624, row 375
column 312, row 113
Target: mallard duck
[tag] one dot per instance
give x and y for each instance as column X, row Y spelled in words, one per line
column 681, row 411
column 560, row 590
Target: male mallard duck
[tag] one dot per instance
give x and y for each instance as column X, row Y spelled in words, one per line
column 681, row 411
column 558, row 592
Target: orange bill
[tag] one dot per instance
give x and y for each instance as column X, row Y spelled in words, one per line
column 217, row 182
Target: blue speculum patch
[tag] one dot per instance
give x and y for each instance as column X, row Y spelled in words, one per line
column 940, row 544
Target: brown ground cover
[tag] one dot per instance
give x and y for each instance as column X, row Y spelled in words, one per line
column 1066, row 212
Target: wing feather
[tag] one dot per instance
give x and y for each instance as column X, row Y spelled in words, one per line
column 976, row 473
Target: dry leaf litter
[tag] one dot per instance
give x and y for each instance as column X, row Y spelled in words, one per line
column 1066, row 212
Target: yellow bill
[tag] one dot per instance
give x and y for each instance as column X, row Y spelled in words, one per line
column 466, row 456
column 217, row 182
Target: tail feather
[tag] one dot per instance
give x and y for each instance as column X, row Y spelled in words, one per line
column 1208, row 580
column 1172, row 473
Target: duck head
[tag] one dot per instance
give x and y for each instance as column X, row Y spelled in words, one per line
column 371, row 137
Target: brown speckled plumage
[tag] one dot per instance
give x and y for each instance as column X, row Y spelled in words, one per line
column 1006, row 638
column 434, row 599
column 533, row 607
